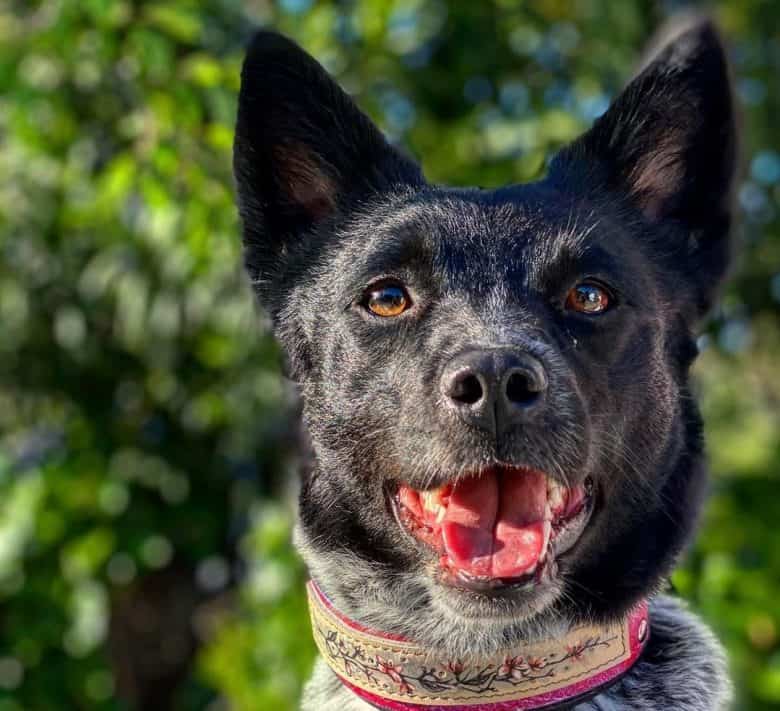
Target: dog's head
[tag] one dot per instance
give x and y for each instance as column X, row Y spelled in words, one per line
column 494, row 381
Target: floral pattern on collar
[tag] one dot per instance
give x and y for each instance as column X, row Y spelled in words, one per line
column 394, row 673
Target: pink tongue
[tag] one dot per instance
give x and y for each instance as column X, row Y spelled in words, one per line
column 494, row 525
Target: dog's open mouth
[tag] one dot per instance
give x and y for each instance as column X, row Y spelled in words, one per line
column 504, row 526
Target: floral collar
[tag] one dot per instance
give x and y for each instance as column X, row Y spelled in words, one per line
column 394, row 674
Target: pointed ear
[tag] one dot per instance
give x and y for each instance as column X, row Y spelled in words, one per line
column 304, row 155
column 668, row 142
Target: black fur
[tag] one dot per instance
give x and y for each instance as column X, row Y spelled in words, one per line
column 642, row 203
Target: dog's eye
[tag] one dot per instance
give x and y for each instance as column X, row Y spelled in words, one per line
column 388, row 300
column 588, row 298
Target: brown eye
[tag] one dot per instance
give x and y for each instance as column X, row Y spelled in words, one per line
column 587, row 299
column 386, row 301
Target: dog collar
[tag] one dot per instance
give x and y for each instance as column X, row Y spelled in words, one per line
column 395, row 674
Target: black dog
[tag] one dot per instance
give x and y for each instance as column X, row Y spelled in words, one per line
column 495, row 382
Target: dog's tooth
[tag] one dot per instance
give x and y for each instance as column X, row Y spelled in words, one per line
column 431, row 501
column 555, row 497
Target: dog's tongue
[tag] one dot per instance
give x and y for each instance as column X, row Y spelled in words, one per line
column 495, row 524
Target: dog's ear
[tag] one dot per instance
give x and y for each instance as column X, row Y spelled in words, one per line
column 303, row 154
column 668, row 142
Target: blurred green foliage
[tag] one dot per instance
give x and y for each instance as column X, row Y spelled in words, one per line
column 145, row 432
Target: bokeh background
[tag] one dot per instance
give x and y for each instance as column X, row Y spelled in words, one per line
column 147, row 438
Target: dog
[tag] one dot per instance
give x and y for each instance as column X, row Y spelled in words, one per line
column 506, row 457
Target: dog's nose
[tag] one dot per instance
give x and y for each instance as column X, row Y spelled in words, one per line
column 494, row 388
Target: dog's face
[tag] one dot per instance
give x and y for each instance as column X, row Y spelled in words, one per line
column 494, row 381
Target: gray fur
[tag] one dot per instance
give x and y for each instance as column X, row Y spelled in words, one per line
column 683, row 668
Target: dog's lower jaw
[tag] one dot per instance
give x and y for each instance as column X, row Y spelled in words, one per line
column 444, row 620
column 683, row 668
